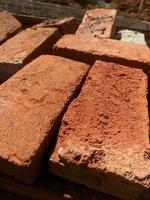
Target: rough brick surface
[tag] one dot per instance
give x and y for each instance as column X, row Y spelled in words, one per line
column 98, row 23
column 87, row 49
column 32, row 104
column 66, row 26
column 9, row 26
column 24, row 47
column 103, row 141
column 52, row 188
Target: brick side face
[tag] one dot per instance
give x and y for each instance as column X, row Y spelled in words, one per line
column 87, row 49
column 47, row 189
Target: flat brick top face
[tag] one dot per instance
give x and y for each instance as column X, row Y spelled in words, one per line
column 106, row 127
column 105, row 48
column 8, row 25
column 18, row 48
column 31, row 101
column 98, row 23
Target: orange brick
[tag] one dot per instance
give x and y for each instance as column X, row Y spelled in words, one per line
column 32, row 104
column 9, row 26
column 88, row 49
column 103, row 141
column 24, row 47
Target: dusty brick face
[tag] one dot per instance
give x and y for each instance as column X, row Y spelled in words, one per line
column 88, row 49
column 99, row 23
column 47, row 189
column 9, row 26
column 103, row 141
column 24, row 47
column 32, row 104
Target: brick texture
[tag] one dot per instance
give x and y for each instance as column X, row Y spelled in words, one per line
column 103, row 141
column 88, row 49
column 99, row 23
column 24, row 47
column 9, row 26
column 32, row 104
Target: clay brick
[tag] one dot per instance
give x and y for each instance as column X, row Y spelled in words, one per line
column 52, row 188
column 66, row 25
column 88, row 49
column 99, row 23
column 32, row 104
column 24, row 47
column 103, row 141
column 9, row 26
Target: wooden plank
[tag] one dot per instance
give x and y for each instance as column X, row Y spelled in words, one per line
column 132, row 24
column 38, row 9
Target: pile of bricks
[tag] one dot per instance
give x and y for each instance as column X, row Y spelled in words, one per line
column 73, row 110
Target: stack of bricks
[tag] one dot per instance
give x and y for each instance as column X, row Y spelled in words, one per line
column 74, row 107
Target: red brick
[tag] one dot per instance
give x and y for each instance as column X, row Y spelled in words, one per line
column 66, row 25
column 99, row 23
column 52, row 188
column 24, row 47
column 32, row 104
column 88, row 49
column 103, row 141
column 9, row 26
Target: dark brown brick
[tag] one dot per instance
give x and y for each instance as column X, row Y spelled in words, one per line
column 66, row 26
column 51, row 188
column 5, row 195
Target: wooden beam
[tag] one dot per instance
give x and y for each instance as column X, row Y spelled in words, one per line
column 39, row 9
column 132, row 24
